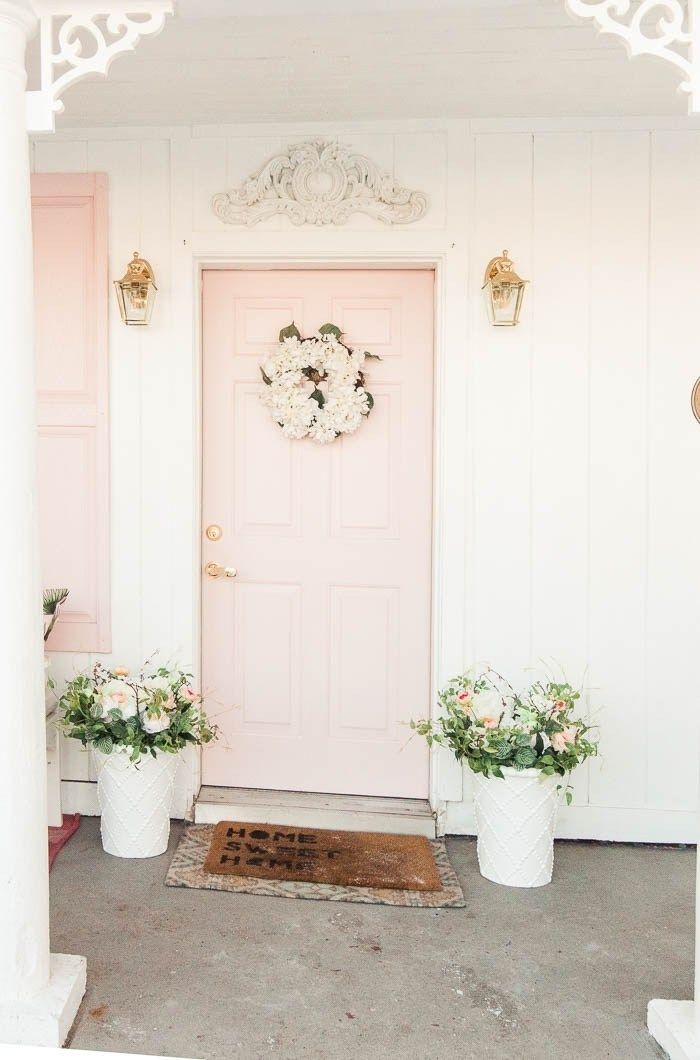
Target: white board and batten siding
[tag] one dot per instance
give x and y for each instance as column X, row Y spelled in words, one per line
column 567, row 454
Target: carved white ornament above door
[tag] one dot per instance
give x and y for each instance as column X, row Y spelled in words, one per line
column 667, row 29
column 320, row 182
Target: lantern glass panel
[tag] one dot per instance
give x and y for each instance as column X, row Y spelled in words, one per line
column 136, row 301
column 504, row 300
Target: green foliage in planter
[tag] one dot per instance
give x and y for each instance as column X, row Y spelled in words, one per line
column 155, row 710
column 487, row 724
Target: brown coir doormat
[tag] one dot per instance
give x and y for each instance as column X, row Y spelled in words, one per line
column 318, row 855
column 187, row 870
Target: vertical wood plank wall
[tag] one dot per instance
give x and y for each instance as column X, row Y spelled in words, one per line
column 586, row 455
column 582, row 483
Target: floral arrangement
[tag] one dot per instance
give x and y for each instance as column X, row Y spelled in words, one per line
column 315, row 387
column 157, row 710
column 490, row 726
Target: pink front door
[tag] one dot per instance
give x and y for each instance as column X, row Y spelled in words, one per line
column 317, row 654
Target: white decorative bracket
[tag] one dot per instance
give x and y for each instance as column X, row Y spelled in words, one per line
column 666, row 29
column 81, row 38
column 320, row 182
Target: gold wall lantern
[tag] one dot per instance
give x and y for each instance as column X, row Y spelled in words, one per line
column 504, row 291
column 136, row 291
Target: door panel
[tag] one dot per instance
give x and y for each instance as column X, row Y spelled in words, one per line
column 318, row 652
column 69, row 228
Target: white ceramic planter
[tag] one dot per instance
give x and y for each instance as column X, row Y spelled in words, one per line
column 135, row 803
column 515, row 820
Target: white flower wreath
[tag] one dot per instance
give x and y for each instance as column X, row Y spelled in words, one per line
column 315, row 387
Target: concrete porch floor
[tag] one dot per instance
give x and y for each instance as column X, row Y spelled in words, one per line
column 565, row 971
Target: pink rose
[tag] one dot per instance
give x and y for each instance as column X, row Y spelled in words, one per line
column 559, row 705
column 561, row 740
column 489, row 722
column 189, row 694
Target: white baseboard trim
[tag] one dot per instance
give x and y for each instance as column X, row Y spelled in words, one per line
column 80, row 796
column 600, row 822
column 575, row 822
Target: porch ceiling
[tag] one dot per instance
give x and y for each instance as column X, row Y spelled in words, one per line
column 303, row 60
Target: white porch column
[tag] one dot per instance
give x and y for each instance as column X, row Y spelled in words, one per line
column 39, row 993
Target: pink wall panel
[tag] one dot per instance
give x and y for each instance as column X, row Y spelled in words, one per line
column 69, row 217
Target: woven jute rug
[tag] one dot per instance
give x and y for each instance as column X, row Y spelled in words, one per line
column 202, row 846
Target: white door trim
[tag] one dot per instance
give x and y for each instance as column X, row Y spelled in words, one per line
column 442, row 782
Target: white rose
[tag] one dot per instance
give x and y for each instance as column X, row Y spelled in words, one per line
column 487, row 704
column 153, row 724
column 117, row 695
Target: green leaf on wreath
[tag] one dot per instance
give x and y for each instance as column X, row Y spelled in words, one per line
column 330, row 329
column 370, row 402
column 290, row 332
column 372, row 356
column 317, row 395
column 266, row 378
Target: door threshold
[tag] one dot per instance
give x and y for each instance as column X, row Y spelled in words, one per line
column 310, row 810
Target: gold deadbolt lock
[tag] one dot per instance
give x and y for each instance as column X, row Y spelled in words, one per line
column 214, row 532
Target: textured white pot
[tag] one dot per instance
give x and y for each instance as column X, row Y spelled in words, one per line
column 135, row 803
column 515, row 820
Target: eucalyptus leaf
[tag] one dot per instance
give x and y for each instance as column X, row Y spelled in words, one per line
column 330, row 329
column 266, row 378
column 317, row 395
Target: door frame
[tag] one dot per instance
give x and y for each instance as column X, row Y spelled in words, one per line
column 442, row 773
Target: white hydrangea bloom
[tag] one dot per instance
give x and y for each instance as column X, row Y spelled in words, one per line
column 288, row 395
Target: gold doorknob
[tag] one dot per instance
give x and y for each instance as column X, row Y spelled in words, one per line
column 215, row 570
